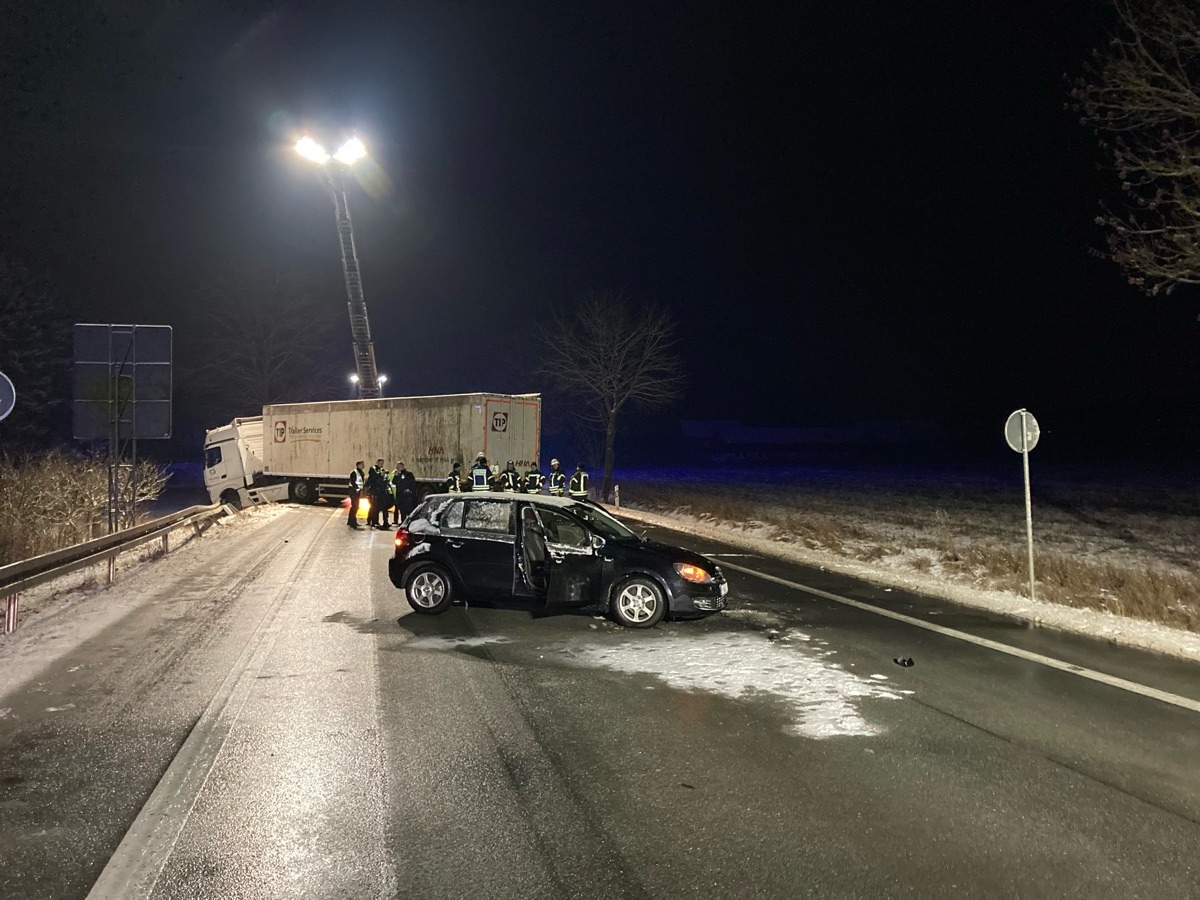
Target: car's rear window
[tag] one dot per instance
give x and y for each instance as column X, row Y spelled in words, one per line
column 488, row 515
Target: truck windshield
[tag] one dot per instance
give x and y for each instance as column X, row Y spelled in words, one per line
column 602, row 523
column 212, row 456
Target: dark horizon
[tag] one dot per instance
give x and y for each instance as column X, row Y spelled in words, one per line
column 854, row 214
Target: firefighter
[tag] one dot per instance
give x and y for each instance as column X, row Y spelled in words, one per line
column 496, row 482
column 481, row 475
column 534, row 479
column 510, row 479
column 355, row 489
column 378, row 494
column 578, row 488
column 558, row 479
column 454, row 481
column 404, row 486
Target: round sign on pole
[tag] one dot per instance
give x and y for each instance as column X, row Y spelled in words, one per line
column 1022, row 431
column 8, row 396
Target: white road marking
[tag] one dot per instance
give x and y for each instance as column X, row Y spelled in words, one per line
column 135, row 867
column 1050, row 662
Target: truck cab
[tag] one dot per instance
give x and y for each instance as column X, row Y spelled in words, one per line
column 233, row 465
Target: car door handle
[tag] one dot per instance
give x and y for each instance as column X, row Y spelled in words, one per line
column 457, row 545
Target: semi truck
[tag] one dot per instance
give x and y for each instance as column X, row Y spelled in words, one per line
column 305, row 452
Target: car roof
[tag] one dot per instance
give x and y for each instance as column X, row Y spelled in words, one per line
column 539, row 499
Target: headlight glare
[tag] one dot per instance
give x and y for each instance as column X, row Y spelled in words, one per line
column 694, row 574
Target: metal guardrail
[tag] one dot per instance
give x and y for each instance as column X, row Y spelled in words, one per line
column 28, row 573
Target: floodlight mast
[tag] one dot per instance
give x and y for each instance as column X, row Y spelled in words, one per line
column 335, row 167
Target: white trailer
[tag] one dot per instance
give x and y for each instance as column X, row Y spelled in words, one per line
column 305, row 451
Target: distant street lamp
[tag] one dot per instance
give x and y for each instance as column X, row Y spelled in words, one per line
column 335, row 168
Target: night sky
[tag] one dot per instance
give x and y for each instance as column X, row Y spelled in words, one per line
column 856, row 210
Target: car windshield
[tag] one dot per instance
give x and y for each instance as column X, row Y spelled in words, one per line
column 602, row 523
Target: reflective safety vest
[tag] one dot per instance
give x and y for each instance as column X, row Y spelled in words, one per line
column 356, row 481
column 558, row 483
column 481, row 479
column 452, row 483
column 534, row 480
column 579, row 486
column 510, row 480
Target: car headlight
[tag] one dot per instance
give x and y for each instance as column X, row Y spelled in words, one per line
column 694, row 574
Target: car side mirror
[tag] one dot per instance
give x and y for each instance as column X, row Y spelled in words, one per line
column 597, row 542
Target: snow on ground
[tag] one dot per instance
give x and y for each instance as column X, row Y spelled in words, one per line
column 1104, row 625
column 56, row 618
column 821, row 697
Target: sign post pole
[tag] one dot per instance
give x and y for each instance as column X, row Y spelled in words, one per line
column 1028, row 500
column 1021, row 432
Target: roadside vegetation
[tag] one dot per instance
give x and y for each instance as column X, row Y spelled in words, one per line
column 1130, row 551
column 54, row 500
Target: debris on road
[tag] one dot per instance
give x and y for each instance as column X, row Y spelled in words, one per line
column 905, row 661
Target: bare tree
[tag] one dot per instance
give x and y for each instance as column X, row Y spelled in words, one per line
column 266, row 339
column 611, row 353
column 1141, row 94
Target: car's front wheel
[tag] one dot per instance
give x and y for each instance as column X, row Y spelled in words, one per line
column 638, row 603
column 428, row 589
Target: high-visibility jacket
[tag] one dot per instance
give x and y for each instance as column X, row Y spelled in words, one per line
column 454, row 483
column 510, row 481
column 481, row 478
column 534, row 479
column 356, row 481
column 558, row 482
column 579, row 486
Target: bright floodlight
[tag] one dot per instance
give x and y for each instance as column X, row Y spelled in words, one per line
column 310, row 149
column 383, row 379
column 350, row 152
column 354, row 379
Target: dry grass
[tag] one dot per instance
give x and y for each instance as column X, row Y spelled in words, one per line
column 1091, row 553
column 56, row 500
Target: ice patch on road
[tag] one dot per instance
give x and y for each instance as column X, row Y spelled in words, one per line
column 455, row 643
column 820, row 695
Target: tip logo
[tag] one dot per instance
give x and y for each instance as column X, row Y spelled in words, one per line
column 281, row 431
column 500, row 421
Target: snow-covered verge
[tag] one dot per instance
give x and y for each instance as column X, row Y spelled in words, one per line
column 885, row 555
column 59, row 616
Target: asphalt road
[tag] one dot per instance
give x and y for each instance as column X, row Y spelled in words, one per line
column 281, row 724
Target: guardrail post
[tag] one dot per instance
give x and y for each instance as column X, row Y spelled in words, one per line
column 10, row 613
column 112, row 567
column 617, row 493
column 165, row 546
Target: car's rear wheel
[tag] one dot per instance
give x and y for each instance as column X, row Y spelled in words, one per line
column 428, row 589
column 638, row 603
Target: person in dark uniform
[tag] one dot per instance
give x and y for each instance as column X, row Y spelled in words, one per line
column 558, row 479
column 355, row 486
column 534, row 479
column 378, row 493
column 454, row 481
column 510, row 478
column 404, row 483
column 497, row 480
column 481, row 475
column 578, row 488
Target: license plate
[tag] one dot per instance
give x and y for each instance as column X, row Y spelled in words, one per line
column 724, row 589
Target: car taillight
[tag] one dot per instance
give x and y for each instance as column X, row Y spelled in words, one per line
column 403, row 539
column 691, row 573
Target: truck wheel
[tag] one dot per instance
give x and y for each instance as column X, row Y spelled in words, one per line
column 231, row 498
column 638, row 603
column 305, row 492
column 428, row 589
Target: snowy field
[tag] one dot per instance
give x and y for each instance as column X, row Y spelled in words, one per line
column 1104, row 541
